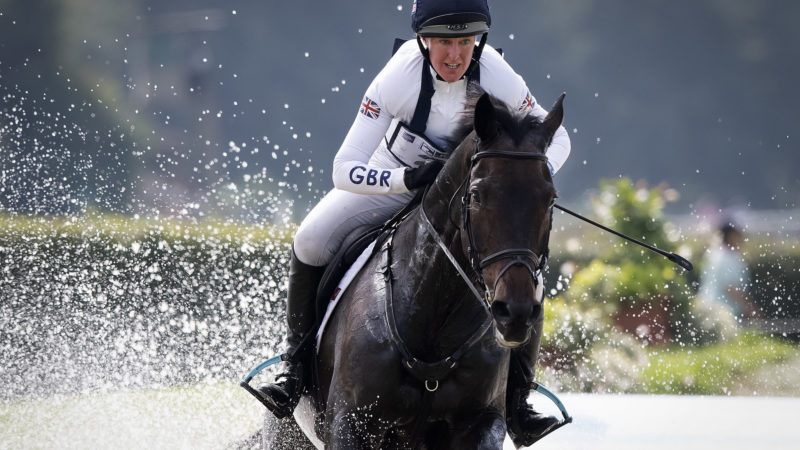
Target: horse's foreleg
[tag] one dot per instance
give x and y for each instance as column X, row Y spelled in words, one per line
column 282, row 434
column 354, row 429
column 486, row 431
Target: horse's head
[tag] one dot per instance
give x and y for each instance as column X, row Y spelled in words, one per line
column 507, row 214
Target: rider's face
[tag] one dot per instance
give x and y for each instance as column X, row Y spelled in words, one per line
column 450, row 57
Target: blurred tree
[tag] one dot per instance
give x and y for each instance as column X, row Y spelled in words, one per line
column 645, row 292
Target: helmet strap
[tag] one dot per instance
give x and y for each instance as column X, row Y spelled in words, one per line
column 425, row 53
column 476, row 55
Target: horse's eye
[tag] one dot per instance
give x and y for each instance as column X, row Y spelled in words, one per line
column 475, row 196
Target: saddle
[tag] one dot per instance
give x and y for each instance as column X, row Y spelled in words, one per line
column 352, row 247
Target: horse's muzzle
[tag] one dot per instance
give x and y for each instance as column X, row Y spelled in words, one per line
column 514, row 320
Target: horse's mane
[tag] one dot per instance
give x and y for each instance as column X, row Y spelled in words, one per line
column 516, row 125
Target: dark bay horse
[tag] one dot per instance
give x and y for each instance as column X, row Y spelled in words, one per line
column 417, row 353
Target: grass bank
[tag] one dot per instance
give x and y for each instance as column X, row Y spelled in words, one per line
column 753, row 364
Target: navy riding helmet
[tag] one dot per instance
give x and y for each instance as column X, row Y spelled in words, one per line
column 450, row 18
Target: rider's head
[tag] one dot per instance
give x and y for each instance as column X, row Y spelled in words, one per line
column 449, row 29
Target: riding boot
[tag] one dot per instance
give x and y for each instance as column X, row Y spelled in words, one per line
column 300, row 318
column 525, row 425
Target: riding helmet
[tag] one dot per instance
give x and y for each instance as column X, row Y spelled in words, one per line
column 450, row 18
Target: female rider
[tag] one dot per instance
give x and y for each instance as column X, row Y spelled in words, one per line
column 401, row 135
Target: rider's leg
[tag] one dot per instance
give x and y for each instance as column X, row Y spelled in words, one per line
column 525, row 425
column 317, row 239
column 300, row 317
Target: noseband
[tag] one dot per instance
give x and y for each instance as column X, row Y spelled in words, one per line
column 515, row 256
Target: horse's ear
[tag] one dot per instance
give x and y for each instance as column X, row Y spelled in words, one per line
column 485, row 118
column 555, row 116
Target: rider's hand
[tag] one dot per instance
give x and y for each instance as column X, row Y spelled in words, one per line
column 423, row 175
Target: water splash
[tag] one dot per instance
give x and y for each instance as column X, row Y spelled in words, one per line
column 85, row 309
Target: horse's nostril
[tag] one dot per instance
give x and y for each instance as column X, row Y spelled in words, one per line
column 500, row 310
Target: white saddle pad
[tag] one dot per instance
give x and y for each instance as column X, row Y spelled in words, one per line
column 342, row 286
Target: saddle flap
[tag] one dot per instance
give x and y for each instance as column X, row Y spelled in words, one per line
column 353, row 245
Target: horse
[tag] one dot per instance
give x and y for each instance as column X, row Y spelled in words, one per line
column 416, row 355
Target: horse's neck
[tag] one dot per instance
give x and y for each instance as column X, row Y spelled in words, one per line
column 442, row 204
column 434, row 308
column 430, row 295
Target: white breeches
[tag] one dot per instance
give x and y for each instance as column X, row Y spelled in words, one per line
column 338, row 213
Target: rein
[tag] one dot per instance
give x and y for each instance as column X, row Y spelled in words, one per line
column 428, row 373
column 431, row 373
column 426, row 222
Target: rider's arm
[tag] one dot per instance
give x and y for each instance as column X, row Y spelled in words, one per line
column 350, row 169
column 393, row 93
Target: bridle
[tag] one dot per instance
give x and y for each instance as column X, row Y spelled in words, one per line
column 431, row 372
column 516, row 256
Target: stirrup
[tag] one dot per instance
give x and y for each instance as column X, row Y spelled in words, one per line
column 279, row 410
column 285, row 393
column 529, row 426
column 566, row 418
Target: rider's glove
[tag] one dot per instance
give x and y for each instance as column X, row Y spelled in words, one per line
column 423, row 175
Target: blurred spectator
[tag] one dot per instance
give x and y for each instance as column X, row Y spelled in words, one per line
column 722, row 301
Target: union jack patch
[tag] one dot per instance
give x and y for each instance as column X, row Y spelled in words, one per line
column 370, row 109
column 527, row 103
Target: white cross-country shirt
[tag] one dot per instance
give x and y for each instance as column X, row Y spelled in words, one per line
column 392, row 97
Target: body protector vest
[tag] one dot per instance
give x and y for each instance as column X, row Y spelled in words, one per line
column 406, row 143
